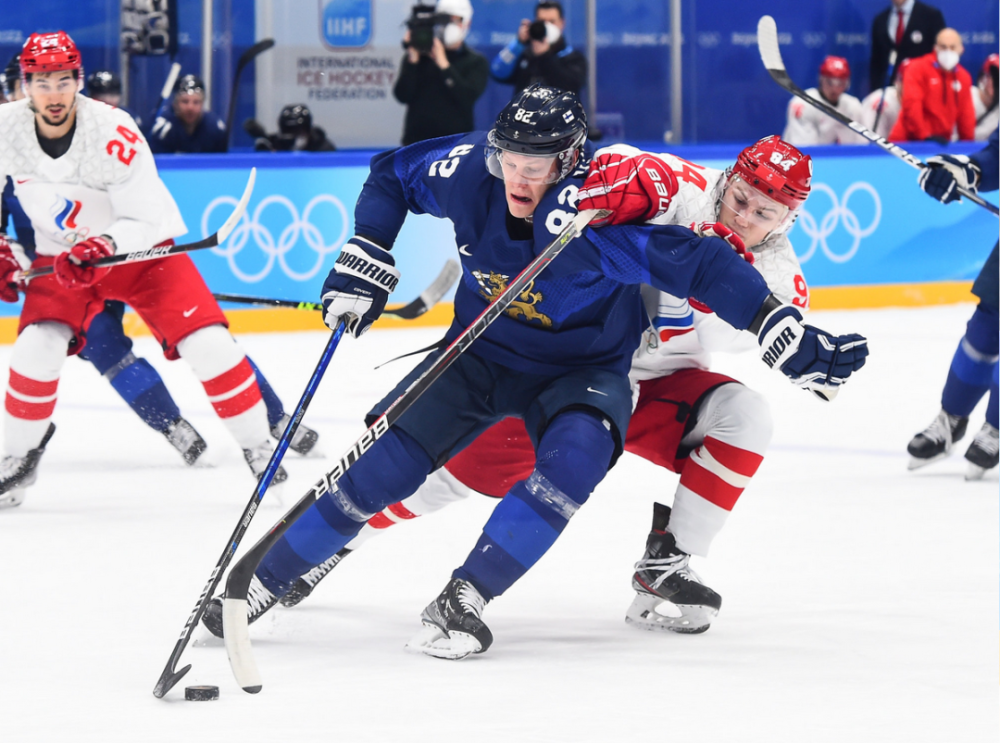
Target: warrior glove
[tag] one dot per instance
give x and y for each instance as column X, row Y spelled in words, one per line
column 945, row 174
column 811, row 358
column 358, row 286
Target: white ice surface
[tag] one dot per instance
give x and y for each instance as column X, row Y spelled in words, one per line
column 860, row 600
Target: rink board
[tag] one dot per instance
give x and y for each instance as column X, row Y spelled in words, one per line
column 868, row 238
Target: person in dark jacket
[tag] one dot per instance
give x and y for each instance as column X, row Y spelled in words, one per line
column 440, row 85
column 541, row 54
column 920, row 26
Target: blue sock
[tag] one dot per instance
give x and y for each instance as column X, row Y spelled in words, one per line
column 391, row 470
column 141, row 387
column 275, row 410
column 972, row 366
column 991, row 406
column 573, row 457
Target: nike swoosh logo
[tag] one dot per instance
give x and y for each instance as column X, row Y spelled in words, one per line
column 596, row 392
column 486, row 547
column 19, row 181
column 188, row 313
column 463, row 250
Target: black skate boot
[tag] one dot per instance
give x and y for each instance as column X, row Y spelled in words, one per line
column 935, row 441
column 983, row 453
column 453, row 625
column 259, row 600
column 670, row 595
column 302, row 441
column 258, row 457
column 17, row 473
column 186, row 440
column 304, row 586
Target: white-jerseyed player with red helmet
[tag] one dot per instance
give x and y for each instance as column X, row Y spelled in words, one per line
column 807, row 125
column 86, row 178
column 707, row 427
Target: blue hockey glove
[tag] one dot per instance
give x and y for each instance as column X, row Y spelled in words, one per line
column 945, row 174
column 358, row 286
column 811, row 358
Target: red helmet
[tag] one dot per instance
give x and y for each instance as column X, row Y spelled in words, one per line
column 776, row 169
column 835, row 67
column 992, row 62
column 49, row 53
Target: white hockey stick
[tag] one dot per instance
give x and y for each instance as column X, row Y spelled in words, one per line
column 770, row 53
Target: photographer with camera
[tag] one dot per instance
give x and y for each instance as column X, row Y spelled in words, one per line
column 540, row 54
column 296, row 133
column 441, row 77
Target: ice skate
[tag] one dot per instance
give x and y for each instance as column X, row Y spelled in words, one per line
column 983, row 453
column 302, row 441
column 304, row 586
column 258, row 457
column 259, row 600
column 935, row 441
column 18, row 473
column 670, row 595
column 186, row 440
column 453, row 626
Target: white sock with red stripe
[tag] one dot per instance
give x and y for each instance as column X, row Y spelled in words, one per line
column 732, row 433
column 35, row 364
column 229, row 382
column 439, row 489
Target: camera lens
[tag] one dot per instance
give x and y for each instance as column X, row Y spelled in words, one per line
column 536, row 30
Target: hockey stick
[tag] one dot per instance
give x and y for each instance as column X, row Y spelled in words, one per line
column 161, row 251
column 246, row 58
column 171, row 675
column 888, row 77
column 770, row 53
column 168, row 84
column 234, row 605
column 427, row 299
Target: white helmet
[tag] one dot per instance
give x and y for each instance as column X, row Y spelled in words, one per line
column 460, row 8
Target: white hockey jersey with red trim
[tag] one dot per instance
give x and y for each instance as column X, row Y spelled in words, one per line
column 105, row 184
column 890, row 110
column 681, row 337
column 807, row 125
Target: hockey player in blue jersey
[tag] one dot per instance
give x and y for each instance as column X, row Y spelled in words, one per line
column 558, row 358
column 183, row 125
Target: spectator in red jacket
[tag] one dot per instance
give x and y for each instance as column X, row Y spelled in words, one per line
column 937, row 100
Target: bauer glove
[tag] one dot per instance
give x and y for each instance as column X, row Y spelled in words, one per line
column 358, row 286
column 72, row 269
column 634, row 188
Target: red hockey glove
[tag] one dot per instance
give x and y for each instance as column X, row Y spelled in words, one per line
column 71, row 269
column 717, row 229
column 634, row 188
column 9, row 265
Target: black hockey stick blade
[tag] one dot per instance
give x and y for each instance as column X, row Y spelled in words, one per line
column 170, row 675
column 238, row 583
column 246, row 58
column 149, row 254
column 770, row 54
column 427, row 299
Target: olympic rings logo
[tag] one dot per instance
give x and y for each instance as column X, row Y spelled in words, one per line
column 289, row 237
column 839, row 214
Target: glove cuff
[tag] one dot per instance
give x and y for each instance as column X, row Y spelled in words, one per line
column 780, row 336
column 363, row 259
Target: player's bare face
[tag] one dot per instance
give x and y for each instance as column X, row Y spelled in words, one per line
column 749, row 213
column 188, row 107
column 525, row 180
column 53, row 96
column 833, row 87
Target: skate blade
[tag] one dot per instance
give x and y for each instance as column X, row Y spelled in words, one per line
column 432, row 641
column 916, row 463
column 974, row 472
column 12, row 498
column 659, row 615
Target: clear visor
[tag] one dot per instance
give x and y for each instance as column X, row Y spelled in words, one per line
column 752, row 206
column 516, row 167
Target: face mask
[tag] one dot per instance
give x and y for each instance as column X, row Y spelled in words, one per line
column 454, row 34
column 947, row 59
column 552, row 32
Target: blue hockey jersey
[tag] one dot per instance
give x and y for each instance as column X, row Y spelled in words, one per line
column 584, row 309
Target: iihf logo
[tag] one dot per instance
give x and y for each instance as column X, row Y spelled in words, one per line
column 64, row 213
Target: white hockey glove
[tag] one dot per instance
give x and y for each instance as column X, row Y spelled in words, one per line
column 358, row 286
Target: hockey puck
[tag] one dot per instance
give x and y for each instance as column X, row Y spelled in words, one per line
column 201, row 693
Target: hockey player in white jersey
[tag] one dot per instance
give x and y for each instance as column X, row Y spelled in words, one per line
column 807, row 125
column 87, row 181
column 707, row 427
